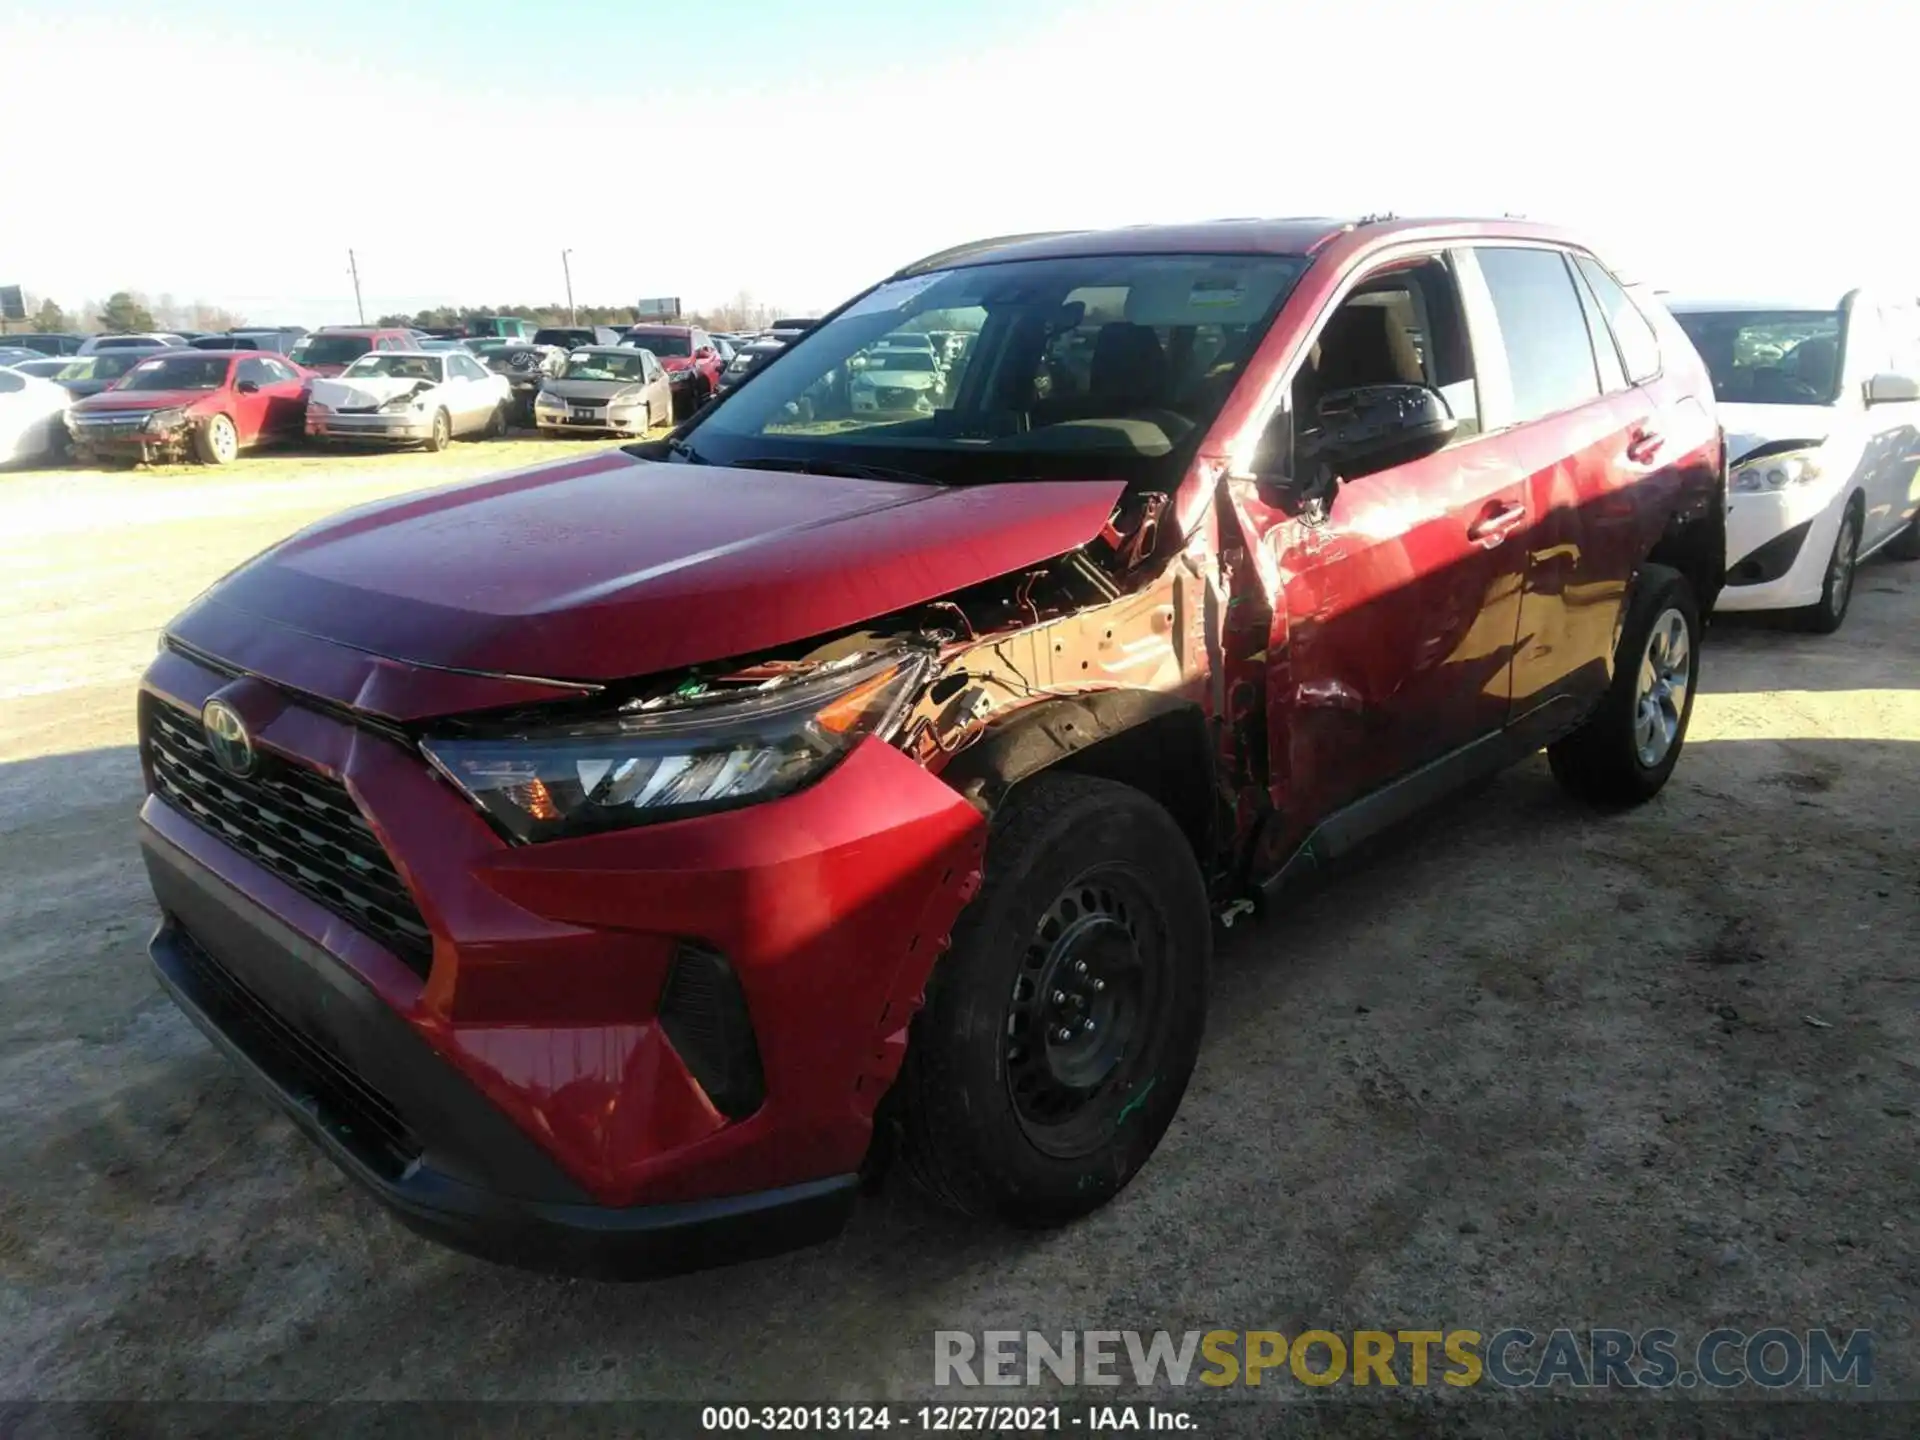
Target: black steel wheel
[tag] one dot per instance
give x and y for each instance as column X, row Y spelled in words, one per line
column 1061, row 1027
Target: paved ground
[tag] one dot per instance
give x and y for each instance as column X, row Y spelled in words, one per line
column 1525, row 1066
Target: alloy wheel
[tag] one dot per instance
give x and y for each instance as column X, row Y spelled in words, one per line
column 1660, row 700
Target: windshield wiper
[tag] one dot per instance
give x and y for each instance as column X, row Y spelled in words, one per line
column 851, row 468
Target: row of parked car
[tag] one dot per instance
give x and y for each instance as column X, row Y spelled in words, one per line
column 168, row 396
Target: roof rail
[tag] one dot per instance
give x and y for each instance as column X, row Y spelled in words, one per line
column 976, row 247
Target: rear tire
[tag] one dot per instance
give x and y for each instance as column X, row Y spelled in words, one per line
column 1829, row 612
column 1624, row 752
column 216, row 442
column 1061, row 1027
column 441, row 435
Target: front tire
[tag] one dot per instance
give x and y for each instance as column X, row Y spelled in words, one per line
column 1061, row 1027
column 1829, row 612
column 441, row 435
column 1624, row 752
column 497, row 422
column 216, row 442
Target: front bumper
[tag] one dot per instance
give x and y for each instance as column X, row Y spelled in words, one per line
column 386, row 429
column 1778, row 545
column 543, row 1115
column 131, row 442
column 592, row 420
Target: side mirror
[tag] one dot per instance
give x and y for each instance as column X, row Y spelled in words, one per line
column 1375, row 427
column 1888, row 388
column 248, row 387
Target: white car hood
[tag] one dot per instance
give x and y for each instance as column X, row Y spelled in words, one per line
column 363, row 392
column 1749, row 427
column 898, row 379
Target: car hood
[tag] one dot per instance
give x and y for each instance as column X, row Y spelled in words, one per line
column 898, row 379
column 364, row 392
column 1749, row 427
column 591, row 389
column 608, row 567
column 106, row 400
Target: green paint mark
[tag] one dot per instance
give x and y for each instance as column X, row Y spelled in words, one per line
column 1139, row 1099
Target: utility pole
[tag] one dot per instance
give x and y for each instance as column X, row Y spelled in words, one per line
column 567, row 270
column 359, row 307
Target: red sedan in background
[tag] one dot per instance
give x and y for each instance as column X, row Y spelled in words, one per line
column 689, row 356
column 207, row 404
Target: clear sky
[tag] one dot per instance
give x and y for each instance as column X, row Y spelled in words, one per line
column 232, row 152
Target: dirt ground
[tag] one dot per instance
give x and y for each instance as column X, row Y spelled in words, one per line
column 1526, row 1065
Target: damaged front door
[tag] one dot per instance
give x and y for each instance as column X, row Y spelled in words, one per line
column 1395, row 596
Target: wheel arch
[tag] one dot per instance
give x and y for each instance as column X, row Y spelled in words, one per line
column 1157, row 743
column 1696, row 546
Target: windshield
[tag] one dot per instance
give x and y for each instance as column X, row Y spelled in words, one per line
column 124, row 342
column 565, row 339
column 600, row 365
column 661, row 343
column 1101, row 366
column 1769, row 357
column 397, row 367
column 178, row 372
column 331, row 349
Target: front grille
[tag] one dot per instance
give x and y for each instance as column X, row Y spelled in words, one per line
column 359, row 1115
column 120, row 420
column 296, row 822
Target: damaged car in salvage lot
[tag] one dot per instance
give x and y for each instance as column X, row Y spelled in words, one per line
column 604, row 388
column 610, row 863
column 192, row 404
column 409, row 397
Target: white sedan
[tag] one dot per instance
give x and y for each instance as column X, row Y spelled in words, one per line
column 32, row 417
column 409, row 397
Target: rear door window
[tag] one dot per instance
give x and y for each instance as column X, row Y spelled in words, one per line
column 1639, row 347
column 1543, row 330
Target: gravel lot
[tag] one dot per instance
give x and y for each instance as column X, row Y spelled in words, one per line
column 1523, row 1066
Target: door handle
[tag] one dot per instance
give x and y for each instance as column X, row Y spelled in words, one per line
column 1644, row 444
column 1496, row 522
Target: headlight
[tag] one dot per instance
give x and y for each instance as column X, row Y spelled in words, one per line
column 1776, row 472
column 546, row 401
column 400, row 404
column 679, row 759
column 319, row 407
column 161, row 421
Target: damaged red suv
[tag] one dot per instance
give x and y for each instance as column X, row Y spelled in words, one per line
column 609, row 863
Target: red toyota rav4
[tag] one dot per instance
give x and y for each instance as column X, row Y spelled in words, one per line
column 609, row 862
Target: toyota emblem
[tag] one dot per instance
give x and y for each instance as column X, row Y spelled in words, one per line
column 227, row 737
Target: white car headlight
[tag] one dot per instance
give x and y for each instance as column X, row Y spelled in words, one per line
column 685, row 757
column 1775, row 472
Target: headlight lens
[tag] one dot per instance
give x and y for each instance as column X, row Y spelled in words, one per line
column 1776, row 472
column 400, row 404
column 161, row 421
column 666, row 760
column 547, row 401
